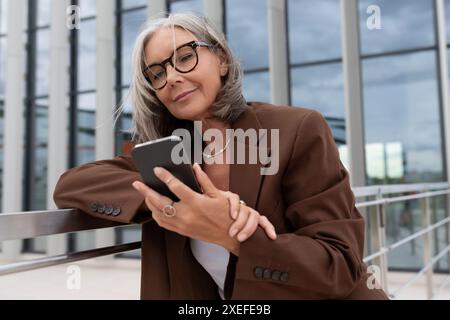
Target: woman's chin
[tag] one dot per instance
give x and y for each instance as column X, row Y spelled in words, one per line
column 191, row 114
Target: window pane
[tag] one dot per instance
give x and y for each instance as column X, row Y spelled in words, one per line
column 447, row 18
column 398, row 20
column 402, row 122
column 131, row 25
column 126, row 4
column 308, row 19
column 86, row 55
column 321, row 87
column 256, row 87
column 248, row 18
column 42, row 62
column 2, row 66
column 86, row 128
column 87, row 8
column 39, row 201
column 3, row 15
column 191, row 6
column 43, row 12
column 123, row 135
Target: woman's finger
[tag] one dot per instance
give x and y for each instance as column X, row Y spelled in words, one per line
column 250, row 226
column 268, row 227
column 156, row 199
column 207, row 185
column 182, row 191
column 240, row 220
column 233, row 198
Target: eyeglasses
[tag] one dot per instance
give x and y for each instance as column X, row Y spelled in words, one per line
column 184, row 60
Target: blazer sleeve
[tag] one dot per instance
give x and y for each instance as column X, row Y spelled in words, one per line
column 322, row 257
column 103, row 189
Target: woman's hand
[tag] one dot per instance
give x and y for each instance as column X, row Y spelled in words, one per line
column 199, row 216
column 246, row 220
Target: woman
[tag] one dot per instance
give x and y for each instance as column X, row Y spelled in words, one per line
column 209, row 246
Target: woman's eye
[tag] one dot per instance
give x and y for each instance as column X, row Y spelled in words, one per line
column 186, row 57
column 157, row 76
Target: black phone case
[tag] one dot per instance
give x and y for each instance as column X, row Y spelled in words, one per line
column 158, row 154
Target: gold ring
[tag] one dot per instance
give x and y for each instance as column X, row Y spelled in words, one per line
column 169, row 210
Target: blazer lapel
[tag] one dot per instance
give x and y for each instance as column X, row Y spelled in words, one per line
column 246, row 178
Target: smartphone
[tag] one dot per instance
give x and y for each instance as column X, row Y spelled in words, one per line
column 158, row 153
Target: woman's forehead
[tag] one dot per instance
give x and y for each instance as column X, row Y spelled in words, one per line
column 163, row 42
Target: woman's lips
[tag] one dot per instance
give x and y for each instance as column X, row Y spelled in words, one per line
column 184, row 95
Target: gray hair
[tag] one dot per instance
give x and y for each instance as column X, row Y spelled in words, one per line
column 151, row 119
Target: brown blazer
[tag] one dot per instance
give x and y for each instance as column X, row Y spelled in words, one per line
column 319, row 249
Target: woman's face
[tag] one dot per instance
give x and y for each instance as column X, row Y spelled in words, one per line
column 201, row 84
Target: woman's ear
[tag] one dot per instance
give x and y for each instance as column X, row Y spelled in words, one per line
column 223, row 69
column 223, row 63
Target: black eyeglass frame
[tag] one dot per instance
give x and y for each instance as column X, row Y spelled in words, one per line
column 193, row 44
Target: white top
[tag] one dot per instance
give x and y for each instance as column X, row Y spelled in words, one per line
column 214, row 259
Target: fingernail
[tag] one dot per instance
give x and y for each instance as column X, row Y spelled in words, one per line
column 233, row 232
column 135, row 185
column 242, row 237
column 157, row 170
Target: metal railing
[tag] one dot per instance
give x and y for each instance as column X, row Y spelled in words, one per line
column 23, row 225
column 377, row 228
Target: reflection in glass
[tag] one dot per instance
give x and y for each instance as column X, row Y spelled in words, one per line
column 43, row 13
column 2, row 66
column 127, row 4
column 42, row 61
column 401, row 114
column 87, row 8
column 256, row 86
column 398, row 19
column 131, row 25
column 314, row 30
column 247, row 32
column 319, row 87
column 86, row 128
column 186, row 6
column 39, row 201
column 87, row 55
column 3, row 16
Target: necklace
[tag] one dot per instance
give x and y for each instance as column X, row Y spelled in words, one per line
column 209, row 156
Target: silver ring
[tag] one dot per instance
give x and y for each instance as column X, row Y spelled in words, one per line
column 242, row 202
column 169, row 210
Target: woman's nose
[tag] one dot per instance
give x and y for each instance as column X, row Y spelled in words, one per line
column 172, row 75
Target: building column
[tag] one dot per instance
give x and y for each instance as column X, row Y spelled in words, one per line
column 444, row 87
column 278, row 55
column 157, row 8
column 353, row 92
column 14, row 119
column 213, row 10
column 58, row 111
column 105, row 98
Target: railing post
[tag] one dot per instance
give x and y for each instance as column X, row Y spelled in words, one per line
column 427, row 245
column 378, row 240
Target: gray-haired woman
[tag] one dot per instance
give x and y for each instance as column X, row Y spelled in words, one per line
column 183, row 72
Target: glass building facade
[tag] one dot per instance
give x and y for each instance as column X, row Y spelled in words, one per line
column 402, row 102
